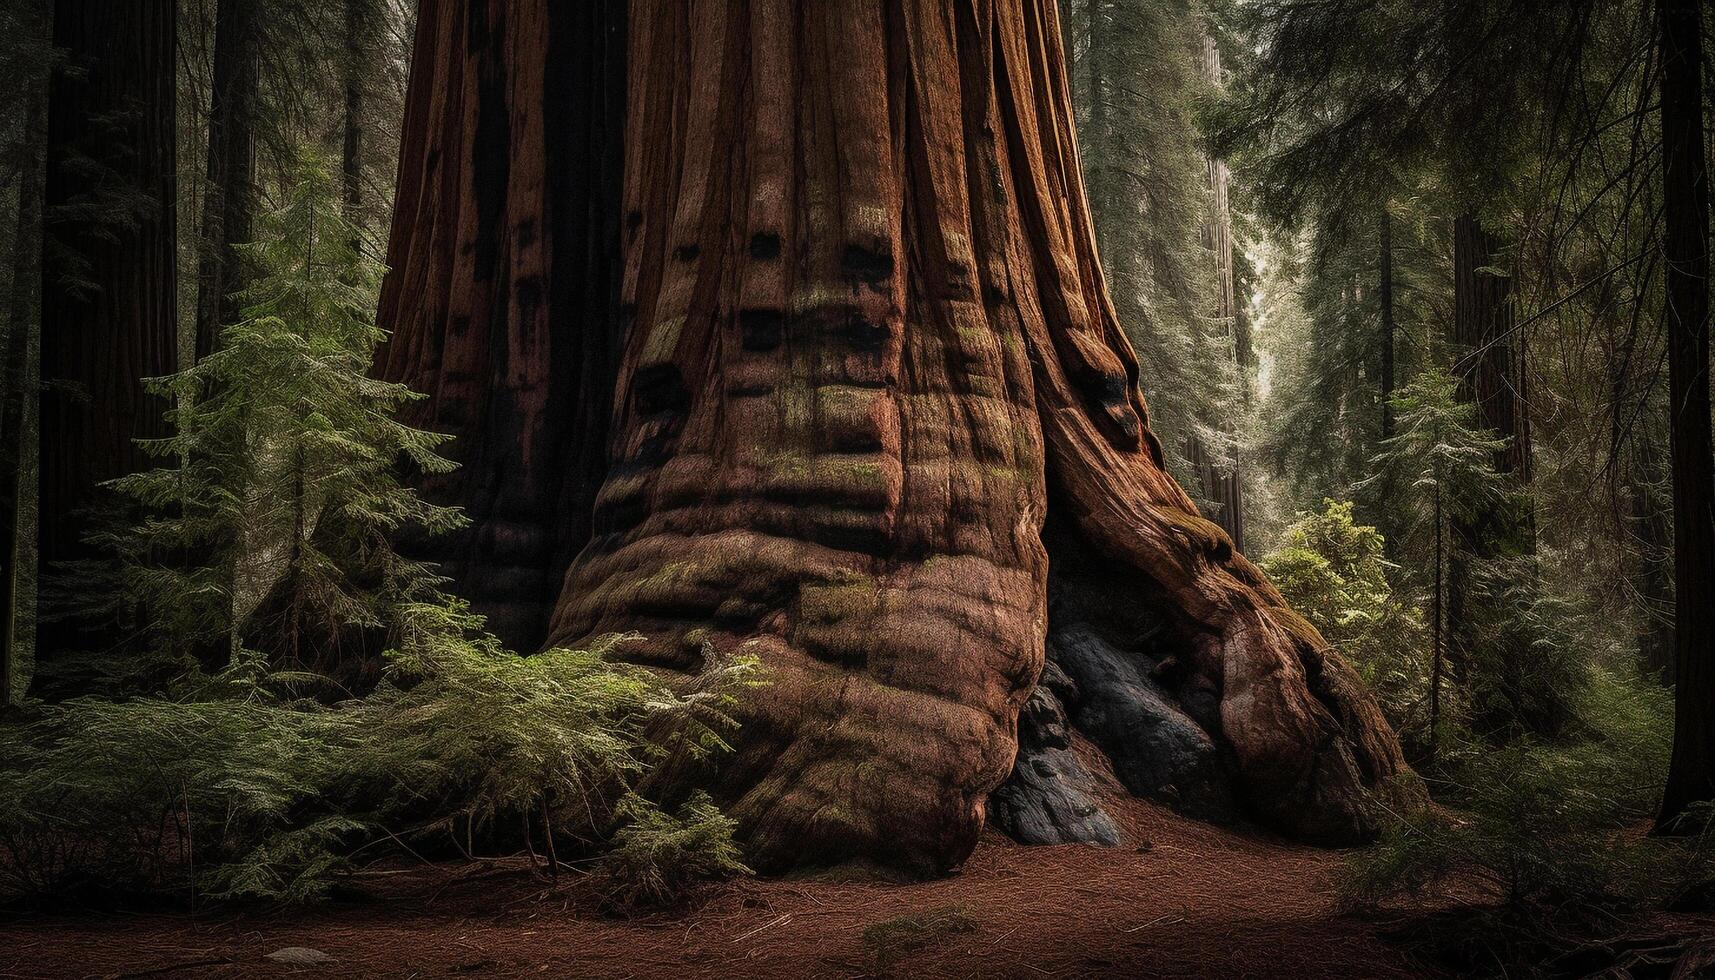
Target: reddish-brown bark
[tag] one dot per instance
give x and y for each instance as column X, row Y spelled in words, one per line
column 870, row 350
column 500, row 290
column 862, row 348
column 108, row 290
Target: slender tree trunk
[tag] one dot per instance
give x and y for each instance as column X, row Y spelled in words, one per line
column 1652, row 522
column 109, row 280
column 229, row 200
column 15, row 348
column 358, row 23
column 1685, row 244
column 1437, row 649
column 1388, row 325
column 1223, row 483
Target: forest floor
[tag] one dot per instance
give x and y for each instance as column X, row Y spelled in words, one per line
column 1191, row 900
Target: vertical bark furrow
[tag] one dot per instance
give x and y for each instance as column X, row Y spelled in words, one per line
column 502, row 284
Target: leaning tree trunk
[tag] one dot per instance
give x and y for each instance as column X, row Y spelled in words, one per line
column 869, row 354
column 502, row 283
column 108, row 289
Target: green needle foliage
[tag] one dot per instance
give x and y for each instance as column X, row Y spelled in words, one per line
column 1333, row 571
column 229, row 786
column 658, row 856
column 281, row 492
column 245, row 562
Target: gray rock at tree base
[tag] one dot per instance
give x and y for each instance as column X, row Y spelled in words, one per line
column 1158, row 750
column 1110, row 674
column 1047, row 799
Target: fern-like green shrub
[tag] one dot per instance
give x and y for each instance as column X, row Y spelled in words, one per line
column 1333, row 571
column 658, row 857
column 229, row 786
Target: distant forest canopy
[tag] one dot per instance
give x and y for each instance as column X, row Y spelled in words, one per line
column 1304, row 404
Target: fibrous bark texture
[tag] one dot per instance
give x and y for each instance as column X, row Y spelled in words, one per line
column 108, row 289
column 1685, row 245
column 868, row 352
column 500, row 293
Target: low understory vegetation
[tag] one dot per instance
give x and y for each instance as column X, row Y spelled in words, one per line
column 234, row 785
column 1540, row 830
column 297, row 697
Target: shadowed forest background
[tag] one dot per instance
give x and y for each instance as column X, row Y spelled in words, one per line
column 635, row 450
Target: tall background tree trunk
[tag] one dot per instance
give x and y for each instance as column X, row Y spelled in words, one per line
column 359, row 22
column 502, row 283
column 1491, row 374
column 1685, row 244
column 229, row 200
column 1389, row 327
column 1222, row 480
column 108, row 284
column 1491, row 366
column 16, row 348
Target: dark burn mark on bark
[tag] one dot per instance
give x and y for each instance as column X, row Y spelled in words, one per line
column 491, row 152
column 865, row 334
column 761, row 329
column 994, row 295
column 751, row 391
column 867, row 265
column 529, row 297
column 687, row 253
column 659, row 388
column 524, row 233
column 764, row 246
column 633, row 220
column 1104, row 389
column 476, row 27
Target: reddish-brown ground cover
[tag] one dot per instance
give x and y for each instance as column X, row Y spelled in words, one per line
column 1187, row 900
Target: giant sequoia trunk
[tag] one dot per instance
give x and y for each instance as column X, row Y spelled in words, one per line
column 867, row 354
column 108, row 289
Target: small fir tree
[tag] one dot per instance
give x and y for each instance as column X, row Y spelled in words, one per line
column 273, row 525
